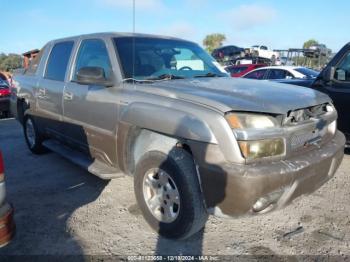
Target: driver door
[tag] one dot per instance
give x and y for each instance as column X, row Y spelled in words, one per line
column 339, row 90
column 90, row 112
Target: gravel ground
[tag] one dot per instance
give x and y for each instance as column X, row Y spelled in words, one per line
column 63, row 210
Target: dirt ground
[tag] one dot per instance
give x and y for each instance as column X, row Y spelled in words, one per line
column 63, row 210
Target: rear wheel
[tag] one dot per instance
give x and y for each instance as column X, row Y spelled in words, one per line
column 168, row 193
column 32, row 136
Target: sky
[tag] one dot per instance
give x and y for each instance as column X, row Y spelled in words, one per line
column 278, row 24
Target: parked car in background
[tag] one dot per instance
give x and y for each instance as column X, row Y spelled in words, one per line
column 284, row 61
column 240, row 70
column 249, row 60
column 334, row 80
column 227, row 53
column 264, row 51
column 317, row 50
column 196, row 141
column 5, row 94
column 7, row 223
column 306, row 82
column 282, row 72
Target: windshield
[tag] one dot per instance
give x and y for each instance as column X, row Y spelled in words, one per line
column 309, row 73
column 156, row 57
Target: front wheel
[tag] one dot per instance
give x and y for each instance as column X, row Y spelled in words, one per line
column 168, row 193
column 32, row 136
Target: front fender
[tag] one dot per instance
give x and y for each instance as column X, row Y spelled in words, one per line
column 169, row 121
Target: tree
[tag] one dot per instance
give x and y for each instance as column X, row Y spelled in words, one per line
column 10, row 62
column 309, row 43
column 213, row 41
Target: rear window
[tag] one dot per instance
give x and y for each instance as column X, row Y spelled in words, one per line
column 57, row 65
column 237, row 70
column 309, row 73
column 3, row 84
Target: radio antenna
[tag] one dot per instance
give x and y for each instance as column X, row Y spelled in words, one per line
column 133, row 15
column 133, row 38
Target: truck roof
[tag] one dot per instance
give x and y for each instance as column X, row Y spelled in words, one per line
column 117, row 34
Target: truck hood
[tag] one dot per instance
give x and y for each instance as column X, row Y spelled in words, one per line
column 237, row 94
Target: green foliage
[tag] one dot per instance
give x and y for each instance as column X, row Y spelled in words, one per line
column 309, row 43
column 10, row 62
column 213, row 41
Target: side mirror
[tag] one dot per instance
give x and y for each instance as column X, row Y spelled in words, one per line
column 328, row 74
column 92, row 76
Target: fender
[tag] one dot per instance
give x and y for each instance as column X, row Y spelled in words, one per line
column 168, row 121
column 146, row 126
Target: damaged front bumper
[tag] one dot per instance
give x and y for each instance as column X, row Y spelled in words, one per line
column 236, row 190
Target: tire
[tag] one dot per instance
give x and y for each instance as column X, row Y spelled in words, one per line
column 32, row 136
column 191, row 213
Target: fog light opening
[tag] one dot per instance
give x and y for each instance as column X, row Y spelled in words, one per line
column 266, row 203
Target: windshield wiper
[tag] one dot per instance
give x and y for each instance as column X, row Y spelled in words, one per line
column 165, row 77
column 210, row 74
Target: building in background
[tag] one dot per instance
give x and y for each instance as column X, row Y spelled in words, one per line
column 28, row 56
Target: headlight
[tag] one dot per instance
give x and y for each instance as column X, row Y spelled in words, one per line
column 262, row 148
column 246, row 120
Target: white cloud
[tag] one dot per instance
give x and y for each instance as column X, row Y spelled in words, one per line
column 140, row 4
column 249, row 16
column 179, row 29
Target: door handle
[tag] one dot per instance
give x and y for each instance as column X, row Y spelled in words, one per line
column 68, row 96
column 41, row 92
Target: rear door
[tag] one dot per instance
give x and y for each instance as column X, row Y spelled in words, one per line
column 50, row 88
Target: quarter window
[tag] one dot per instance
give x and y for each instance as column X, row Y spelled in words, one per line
column 57, row 64
column 93, row 53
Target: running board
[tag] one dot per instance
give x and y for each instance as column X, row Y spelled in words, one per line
column 93, row 166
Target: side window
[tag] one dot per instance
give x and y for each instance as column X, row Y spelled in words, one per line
column 93, row 53
column 33, row 65
column 57, row 64
column 277, row 74
column 258, row 74
column 342, row 72
column 263, row 47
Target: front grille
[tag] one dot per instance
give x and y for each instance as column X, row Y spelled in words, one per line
column 299, row 116
column 310, row 138
column 303, row 139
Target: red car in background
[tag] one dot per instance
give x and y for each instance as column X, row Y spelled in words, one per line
column 5, row 94
column 240, row 70
column 7, row 224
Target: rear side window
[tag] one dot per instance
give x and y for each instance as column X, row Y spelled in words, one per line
column 279, row 74
column 258, row 74
column 57, row 65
